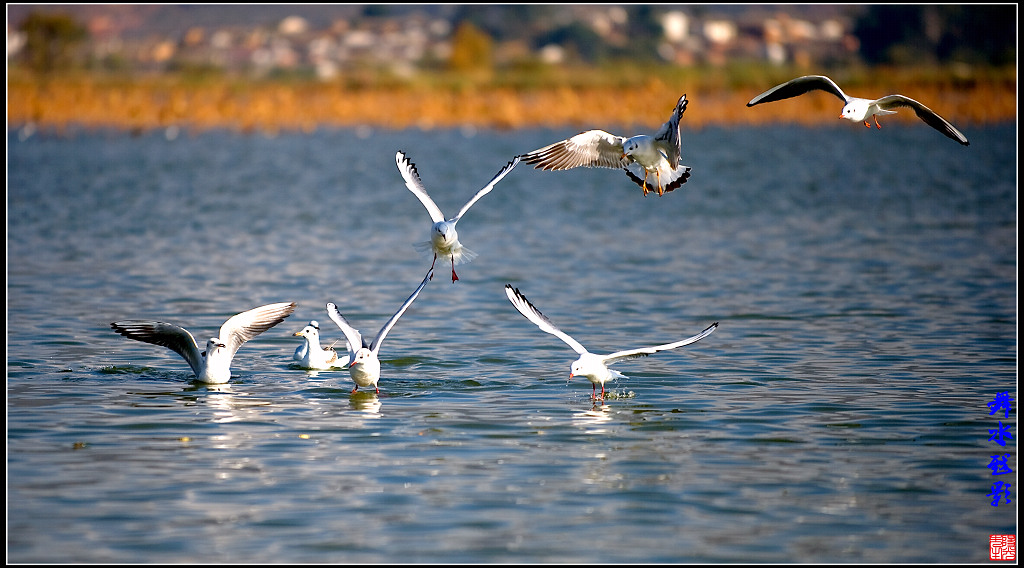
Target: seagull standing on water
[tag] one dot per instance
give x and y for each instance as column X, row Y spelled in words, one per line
column 364, row 367
column 311, row 355
column 590, row 365
column 856, row 109
column 212, row 366
column 444, row 240
column 658, row 154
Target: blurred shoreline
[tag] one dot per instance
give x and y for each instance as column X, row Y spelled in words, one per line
column 59, row 103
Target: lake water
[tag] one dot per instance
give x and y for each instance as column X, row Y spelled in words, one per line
column 865, row 282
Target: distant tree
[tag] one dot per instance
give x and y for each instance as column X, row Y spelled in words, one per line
column 914, row 34
column 472, row 50
column 577, row 38
column 376, row 11
column 983, row 34
column 645, row 33
column 50, row 40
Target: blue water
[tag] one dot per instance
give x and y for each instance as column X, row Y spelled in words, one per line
column 865, row 283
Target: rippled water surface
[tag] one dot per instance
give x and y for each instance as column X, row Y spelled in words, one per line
column 865, row 284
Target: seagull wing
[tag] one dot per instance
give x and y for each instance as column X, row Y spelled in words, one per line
column 175, row 338
column 375, row 346
column 645, row 351
column 247, row 325
column 924, row 113
column 799, row 86
column 352, row 336
column 412, row 181
column 667, row 138
column 533, row 314
column 486, row 189
column 594, row 148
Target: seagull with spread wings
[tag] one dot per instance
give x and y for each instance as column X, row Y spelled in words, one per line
column 212, row 366
column 590, row 365
column 444, row 239
column 857, row 109
column 658, row 154
column 364, row 366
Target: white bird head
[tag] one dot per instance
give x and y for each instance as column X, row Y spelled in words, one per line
column 630, row 146
column 363, row 356
column 443, row 234
column 310, row 331
column 212, row 346
column 856, row 110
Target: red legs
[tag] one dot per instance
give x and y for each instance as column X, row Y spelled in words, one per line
column 354, row 390
column 868, row 124
column 454, row 276
column 593, row 395
column 657, row 173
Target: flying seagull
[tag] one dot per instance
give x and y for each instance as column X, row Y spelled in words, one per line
column 444, row 239
column 590, row 365
column 658, row 154
column 856, row 109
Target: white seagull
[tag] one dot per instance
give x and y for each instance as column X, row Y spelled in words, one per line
column 858, row 110
column 365, row 366
column 444, row 240
column 311, row 355
column 590, row 365
column 658, row 154
column 212, row 366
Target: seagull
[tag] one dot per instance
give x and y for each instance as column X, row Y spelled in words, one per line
column 658, row 154
column 212, row 366
column 444, row 240
column 365, row 366
column 858, row 110
column 590, row 365
column 311, row 356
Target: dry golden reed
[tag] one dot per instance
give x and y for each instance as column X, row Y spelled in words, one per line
column 271, row 107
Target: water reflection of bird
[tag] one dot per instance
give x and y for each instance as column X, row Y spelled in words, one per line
column 444, row 240
column 213, row 365
column 856, row 109
column 590, row 365
column 365, row 401
column 364, row 367
column 311, row 355
column 658, row 154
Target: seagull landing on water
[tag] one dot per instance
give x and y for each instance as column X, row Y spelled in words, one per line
column 858, row 110
column 311, row 355
column 658, row 154
column 590, row 365
column 444, row 239
column 212, row 366
column 365, row 366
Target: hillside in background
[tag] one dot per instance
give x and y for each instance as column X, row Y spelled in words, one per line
column 272, row 67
